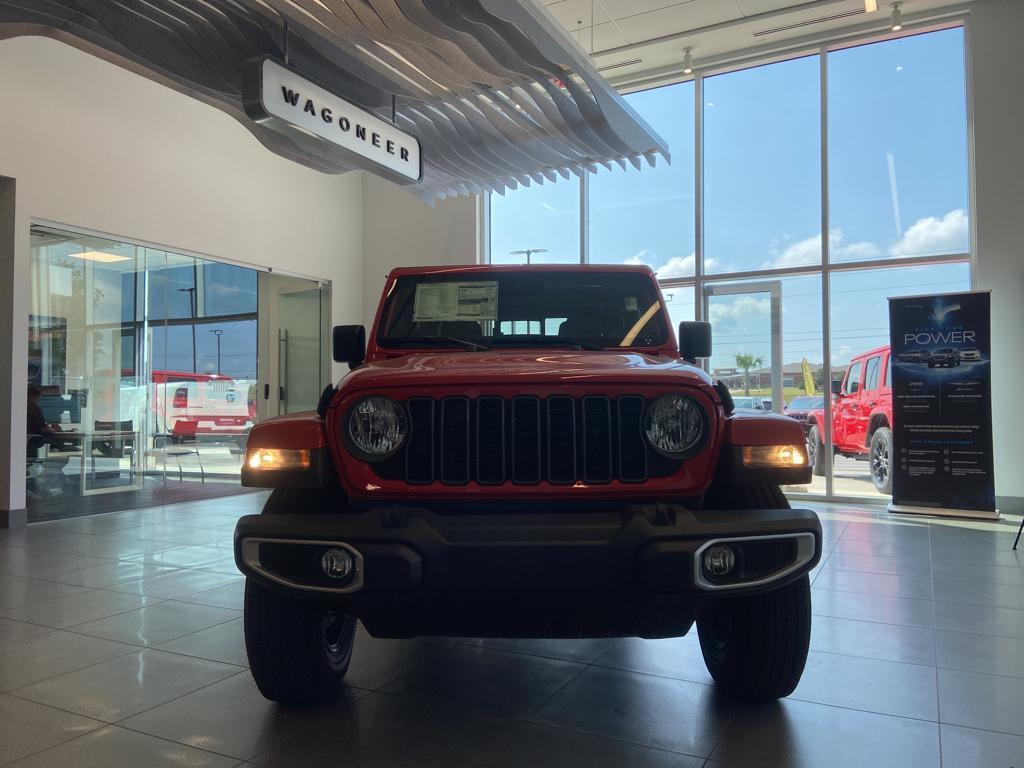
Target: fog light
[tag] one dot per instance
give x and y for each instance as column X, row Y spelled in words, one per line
column 719, row 560
column 337, row 563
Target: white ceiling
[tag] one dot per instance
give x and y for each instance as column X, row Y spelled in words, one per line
column 657, row 31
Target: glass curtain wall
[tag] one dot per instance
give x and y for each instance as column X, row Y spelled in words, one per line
column 834, row 179
column 144, row 372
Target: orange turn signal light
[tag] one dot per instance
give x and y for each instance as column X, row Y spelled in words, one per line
column 774, row 456
column 277, row 458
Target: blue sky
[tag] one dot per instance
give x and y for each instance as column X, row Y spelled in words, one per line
column 897, row 186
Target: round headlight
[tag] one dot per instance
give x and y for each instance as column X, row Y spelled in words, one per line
column 375, row 428
column 674, row 426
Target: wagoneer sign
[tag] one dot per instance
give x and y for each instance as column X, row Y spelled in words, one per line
column 286, row 102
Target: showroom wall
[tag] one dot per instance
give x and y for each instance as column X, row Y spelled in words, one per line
column 997, row 71
column 94, row 147
column 400, row 230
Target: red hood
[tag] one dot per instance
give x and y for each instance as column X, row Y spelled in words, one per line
column 515, row 368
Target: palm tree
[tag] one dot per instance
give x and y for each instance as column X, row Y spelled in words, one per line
column 747, row 361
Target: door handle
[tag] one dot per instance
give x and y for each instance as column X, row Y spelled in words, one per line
column 266, row 391
column 280, row 393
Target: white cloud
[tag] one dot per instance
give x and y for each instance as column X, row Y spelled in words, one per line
column 742, row 307
column 638, row 259
column 678, row 266
column 931, row 235
column 808, row 251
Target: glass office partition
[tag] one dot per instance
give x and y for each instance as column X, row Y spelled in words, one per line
column 144, row 371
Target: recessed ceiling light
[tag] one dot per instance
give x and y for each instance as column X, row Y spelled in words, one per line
column 688, row 61
column 870, row 6
column 100, row 256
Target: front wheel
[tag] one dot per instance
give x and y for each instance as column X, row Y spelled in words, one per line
column 880, row 458
column 815, row 451
column 298, row 650
column 755, row 647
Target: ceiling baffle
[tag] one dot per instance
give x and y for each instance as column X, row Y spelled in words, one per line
column 497, row 93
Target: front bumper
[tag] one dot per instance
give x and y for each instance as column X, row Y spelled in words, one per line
column 632, row 572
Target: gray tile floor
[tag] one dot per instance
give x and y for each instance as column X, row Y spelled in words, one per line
column 121, row 645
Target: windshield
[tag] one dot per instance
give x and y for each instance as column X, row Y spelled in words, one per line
column 806, row 402
column 575, row 309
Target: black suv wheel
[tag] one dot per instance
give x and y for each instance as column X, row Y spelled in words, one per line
column 299, row 651
column 880, row 460
column 815, row 451
column 755, row 647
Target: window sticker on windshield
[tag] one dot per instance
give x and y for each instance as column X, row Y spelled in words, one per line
column 455, row 301
column 631, row 303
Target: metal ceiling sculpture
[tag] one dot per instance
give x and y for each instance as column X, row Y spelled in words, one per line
column 494, row 91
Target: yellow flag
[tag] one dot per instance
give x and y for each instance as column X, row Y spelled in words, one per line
column 808, row 378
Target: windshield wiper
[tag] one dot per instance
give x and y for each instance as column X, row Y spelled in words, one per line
column 545, row 341
column 437, row 341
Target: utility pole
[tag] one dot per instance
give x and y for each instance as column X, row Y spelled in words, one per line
column 192, row 311
column 218, row 333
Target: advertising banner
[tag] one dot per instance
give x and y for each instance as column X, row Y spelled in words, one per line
column 942, row 405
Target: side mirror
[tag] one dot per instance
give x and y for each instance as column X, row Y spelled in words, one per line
column 349, row 344
column 694, row 340
column 837, row 387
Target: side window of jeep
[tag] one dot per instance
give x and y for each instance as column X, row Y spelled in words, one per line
column 871, row 374
column 853, row 379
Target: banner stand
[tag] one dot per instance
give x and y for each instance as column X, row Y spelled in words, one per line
column 973, row 514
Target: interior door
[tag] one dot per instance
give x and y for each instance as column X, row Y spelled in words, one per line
column 746, row 326
column 848, row 408
column 293, row 366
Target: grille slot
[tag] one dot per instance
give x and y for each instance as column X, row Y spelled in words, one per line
column 526, row 437
column 419, row 453
column 490, row 440
column 528, row 440
column 455, row 440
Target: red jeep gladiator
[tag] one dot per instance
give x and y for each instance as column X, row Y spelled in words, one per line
column 526, row 452
column 861, row 418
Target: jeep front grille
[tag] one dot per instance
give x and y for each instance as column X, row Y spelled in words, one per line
column 527, row 440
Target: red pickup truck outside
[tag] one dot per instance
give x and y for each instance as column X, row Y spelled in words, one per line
column 861, row 419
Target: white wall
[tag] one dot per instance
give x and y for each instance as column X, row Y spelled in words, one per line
column 93, row 146
column 997, row 63
column 400, row 230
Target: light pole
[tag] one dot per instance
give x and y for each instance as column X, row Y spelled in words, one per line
column 528, row 252
column 192, row 311
column 217, row 332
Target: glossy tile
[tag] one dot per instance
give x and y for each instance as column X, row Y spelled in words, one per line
column 155, row 624
column 542, row 746
column 223, row 642
column 28, row 727
column 483, row 681
column 231, row 717
column 873, row 563
column 885, row 584
column 584, row 651
column 678, row 657
column 113, row 746
column 888, row 642
column 987, row 702
column 980, row 619
column 970, row 747
column 380, row 730
column 23, row 662
column 126, row 685
column 176, row 583
column 85, row 605
column 18, row 630
column 798, row 733
column 876, row 608
column 658, row 712
column 871, row 685
column 978, row 592
column 230, row 595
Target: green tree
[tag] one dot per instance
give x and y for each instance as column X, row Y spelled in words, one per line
column 746, row 361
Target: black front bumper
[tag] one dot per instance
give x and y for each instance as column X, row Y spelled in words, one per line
column 630, row 572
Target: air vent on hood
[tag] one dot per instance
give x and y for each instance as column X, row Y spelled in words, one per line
column 810, row 22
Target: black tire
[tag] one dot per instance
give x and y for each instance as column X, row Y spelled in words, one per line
column 298, row 650
column 755, row 647
column 816, row 451
column 880, row 460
